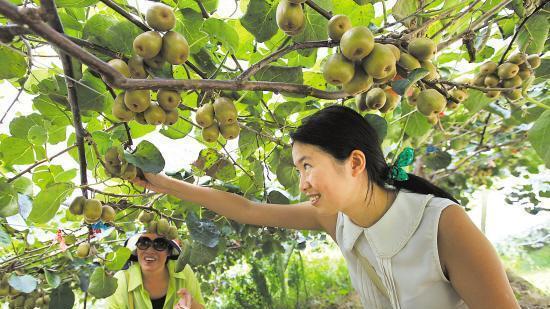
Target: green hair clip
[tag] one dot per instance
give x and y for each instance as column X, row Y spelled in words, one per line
column 405, row 158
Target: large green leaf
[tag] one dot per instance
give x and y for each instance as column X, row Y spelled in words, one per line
column 62, row 297
column 476, row 101
column 316, row 26
column 273, row 73
column 190, row 27
column 417, row 124
column 116, row 260
column 75, row 3
column 52, row 278
column 534, row 33
column 147, row 157
column 379, row 124
column 13, row 65
column 8, row 200
column 5, row 239
column 539, row 136
column 222, row 32
column 24, row 283
column 361, row 15
column 259, row 19
column 92, row 94
column 101, row 284
column 202, row 230
column 47, row 202
column 16, row 151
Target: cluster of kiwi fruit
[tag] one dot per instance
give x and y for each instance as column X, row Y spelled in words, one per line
column 510, row 74
column 161, row 226
column 152, row 50
column 117, row 166
column 362, row 63
column 19, row 300
column 290, row 16
column 218, row 117
column 92, row 210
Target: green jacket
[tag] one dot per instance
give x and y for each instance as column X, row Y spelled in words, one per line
column 130, row 282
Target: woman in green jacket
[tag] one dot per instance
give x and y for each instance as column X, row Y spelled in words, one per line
column 152, row 282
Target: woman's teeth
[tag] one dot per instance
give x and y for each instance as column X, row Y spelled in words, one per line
column 150, row 259
column 314, row 198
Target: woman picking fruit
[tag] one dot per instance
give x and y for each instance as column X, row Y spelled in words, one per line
column 406, row 242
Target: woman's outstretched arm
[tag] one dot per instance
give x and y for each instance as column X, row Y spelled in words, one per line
column 301, row 216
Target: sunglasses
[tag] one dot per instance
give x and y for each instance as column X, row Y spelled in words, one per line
column 159, row 244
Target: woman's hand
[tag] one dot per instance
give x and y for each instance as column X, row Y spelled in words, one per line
column 185, row 301
column 154, row 182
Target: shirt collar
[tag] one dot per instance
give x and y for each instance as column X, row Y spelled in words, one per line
column 135, row 279
column 390, row 234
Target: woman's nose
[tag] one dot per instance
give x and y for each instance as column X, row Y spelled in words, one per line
column 304, row 184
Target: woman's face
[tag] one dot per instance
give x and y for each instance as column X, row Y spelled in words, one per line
column 150, row 259
column 328, row 183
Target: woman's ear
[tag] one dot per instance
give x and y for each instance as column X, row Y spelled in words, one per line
column 357, row 161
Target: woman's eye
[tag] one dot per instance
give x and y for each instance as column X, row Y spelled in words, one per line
column 306, row 166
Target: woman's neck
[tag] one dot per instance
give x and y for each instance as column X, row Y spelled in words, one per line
column 366, row 212
column 156, row 283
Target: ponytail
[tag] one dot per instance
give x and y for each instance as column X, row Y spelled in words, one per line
column 420, row 185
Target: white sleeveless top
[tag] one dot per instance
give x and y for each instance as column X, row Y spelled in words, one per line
column 402, row 248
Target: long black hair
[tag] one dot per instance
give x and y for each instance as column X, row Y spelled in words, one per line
column 339, row 130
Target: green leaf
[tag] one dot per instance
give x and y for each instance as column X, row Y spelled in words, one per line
column 417, row 125
column 222, row 32
column 16, row 151
column 13, row 65
column 437, row 160
column 222, row 169
column 476, row 101
column 190, row 28
column 116, row 260
column 273, row 73
column 8, row 200
column 287, row 176
column 92, row 93
column 52, row 278
column 539, row 137
column 47, row 202
column 147, row 157
column 25, row 283
column 37, row 135
column 101, row 284
column 20, row 126
column 361, row 15
column 404, row 8
column 23, row 185
column 379, row 124
column 259, row 19
column 276, row 197
column 121, row 36
column 202, row 230
column 62, row 297
column 534, row 33
column 75, row 3
column 201, row 254
column 542, row 73
column 401, row 86
column 315, row 28
column 247, row 143
column 5, row 239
